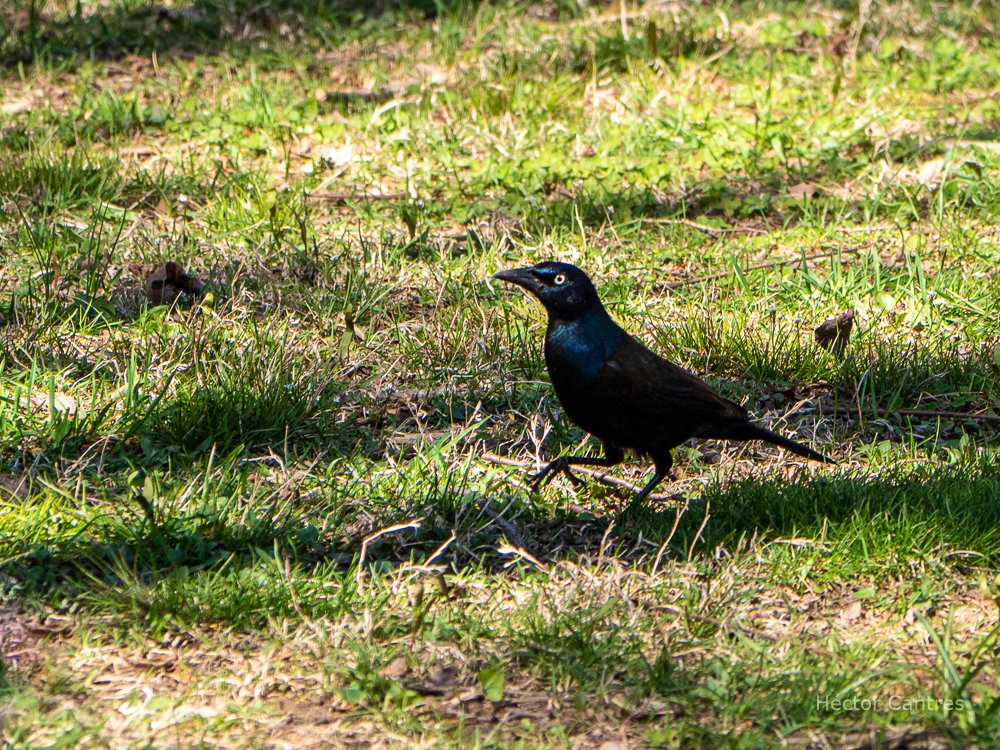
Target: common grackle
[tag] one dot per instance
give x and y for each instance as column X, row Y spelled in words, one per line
column 618, row 390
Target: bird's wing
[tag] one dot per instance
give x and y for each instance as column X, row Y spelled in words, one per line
column 649, row 389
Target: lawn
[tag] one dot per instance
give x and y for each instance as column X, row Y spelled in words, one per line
column 274, row 494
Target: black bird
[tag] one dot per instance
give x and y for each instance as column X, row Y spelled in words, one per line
column 618, row 390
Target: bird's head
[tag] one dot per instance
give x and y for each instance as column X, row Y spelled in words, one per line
column 564, row 289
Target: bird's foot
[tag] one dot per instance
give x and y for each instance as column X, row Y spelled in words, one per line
column 645, row 492
column 549, row 471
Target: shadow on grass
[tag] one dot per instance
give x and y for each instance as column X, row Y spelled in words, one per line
column 287, row 415
column 899, row 513
column 953, row 508
column 204, row 27
column 855, row 526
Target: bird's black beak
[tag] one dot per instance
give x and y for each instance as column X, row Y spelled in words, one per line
column 520, row 276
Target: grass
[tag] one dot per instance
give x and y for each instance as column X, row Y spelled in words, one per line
column 294, row 507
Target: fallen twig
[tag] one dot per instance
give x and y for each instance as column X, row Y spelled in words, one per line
column 493, row 458
column 342, row 196
column 861, row 230
column 380, row 533
column 772, row 264
column 714, row 231
column 941, row 414
column 506, row 549
column 922, row 413
column 513, row 533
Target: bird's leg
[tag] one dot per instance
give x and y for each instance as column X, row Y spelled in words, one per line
column 661, row 470
column 612, row 457
column 559, row 465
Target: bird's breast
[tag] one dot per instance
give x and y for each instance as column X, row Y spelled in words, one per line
column 576, row 355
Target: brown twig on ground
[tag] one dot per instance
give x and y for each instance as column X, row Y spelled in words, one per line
column 714, row 231
column 760, row 266
column 861, row 230
column 942, row 414
column 506, row 549
column 609, row 18
column 342, row 196
column 380, row 533
column 514, row 534
column 925, row 413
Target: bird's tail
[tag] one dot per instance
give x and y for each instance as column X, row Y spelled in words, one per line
column 750, row 431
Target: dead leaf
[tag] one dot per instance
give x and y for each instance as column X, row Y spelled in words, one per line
column 62, row 402
column 16, row 107
column 802, row 191
column 838, row 43
column 833, row 334
column 396, row 669
column 14, row 488
column 440, row 682
column 155, row 659
column 335, row 156
column 993, row 146
column 165, row 283
column 931, row 173
column 52, row 625
column 845, row 192
column 851, row 612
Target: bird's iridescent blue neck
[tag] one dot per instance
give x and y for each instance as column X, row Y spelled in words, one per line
column 583, row 344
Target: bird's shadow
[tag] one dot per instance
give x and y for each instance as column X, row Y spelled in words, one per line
column 956, row 504
column 501, row 532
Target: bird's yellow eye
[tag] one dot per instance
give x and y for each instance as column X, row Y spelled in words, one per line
column 560, row 278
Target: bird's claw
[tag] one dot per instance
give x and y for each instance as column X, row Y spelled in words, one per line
column 573, row 477
column 549, row 471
